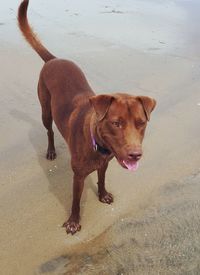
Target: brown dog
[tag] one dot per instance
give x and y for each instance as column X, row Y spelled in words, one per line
column 96, row 128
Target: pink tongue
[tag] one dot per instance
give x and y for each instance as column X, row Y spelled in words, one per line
column 132, row 166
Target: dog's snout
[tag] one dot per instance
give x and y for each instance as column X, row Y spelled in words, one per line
column 135, row 155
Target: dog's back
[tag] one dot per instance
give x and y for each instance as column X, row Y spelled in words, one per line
column 68, row 89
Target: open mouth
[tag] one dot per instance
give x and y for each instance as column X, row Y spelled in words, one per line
column 131, row 165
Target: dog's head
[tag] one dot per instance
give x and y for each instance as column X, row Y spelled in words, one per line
column 121, row 123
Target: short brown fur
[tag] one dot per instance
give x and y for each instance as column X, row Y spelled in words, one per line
column 115, row 122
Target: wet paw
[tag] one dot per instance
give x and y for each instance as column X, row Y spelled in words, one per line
column 106, row 198
column 72, row 227
column 51, row 155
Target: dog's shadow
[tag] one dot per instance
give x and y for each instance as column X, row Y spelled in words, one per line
column 58, row 172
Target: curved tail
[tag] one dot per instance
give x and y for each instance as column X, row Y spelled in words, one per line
column 29, row 35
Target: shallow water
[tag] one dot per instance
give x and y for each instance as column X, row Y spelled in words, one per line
column 140, row 47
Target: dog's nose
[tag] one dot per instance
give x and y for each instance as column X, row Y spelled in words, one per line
column 135, row 155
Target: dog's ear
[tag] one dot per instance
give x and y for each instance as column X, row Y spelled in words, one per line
column 101, row 104
column 148, row 105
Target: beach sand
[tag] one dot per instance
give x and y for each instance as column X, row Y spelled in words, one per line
column 141, row 47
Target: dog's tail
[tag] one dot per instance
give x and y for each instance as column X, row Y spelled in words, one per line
column 29, row 35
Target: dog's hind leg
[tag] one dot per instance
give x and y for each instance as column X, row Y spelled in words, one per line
column 45, row 101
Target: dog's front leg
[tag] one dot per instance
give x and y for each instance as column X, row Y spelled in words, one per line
column 104, row 196
column 72, row 225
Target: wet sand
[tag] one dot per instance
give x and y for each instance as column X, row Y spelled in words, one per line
column 153, row 225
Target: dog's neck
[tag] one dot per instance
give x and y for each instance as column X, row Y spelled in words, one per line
column 97, row 147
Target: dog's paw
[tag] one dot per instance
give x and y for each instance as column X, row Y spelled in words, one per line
column 72, row 227
column 106, row 198
column 51, row 154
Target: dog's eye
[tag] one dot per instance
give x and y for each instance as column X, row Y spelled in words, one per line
column 116, row 123
column 140, row 123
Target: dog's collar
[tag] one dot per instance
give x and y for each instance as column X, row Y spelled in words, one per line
column 102, row 150
column 97, row 147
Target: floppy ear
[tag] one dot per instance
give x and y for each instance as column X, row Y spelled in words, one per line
column 148, row 105
column 101, row 104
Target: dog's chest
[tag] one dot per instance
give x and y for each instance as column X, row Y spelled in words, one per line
column 97, row 161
